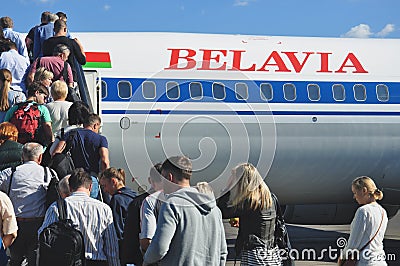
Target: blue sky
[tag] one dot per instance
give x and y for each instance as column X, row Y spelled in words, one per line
column 321, row 18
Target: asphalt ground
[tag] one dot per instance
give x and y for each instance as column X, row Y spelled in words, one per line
column 320, row 244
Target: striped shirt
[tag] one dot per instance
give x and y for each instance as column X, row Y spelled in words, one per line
column 94, row 219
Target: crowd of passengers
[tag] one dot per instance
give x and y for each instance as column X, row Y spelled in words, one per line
column 173, row 223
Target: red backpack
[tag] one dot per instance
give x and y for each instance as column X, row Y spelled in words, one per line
column 27, row 120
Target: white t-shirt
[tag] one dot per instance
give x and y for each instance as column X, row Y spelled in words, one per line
column 59, row 114
column 148, row 217
column 365, row 223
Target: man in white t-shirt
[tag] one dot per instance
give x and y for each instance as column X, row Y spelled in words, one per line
column 149, row 211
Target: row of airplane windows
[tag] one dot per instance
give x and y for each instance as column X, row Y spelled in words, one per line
column 242, row 93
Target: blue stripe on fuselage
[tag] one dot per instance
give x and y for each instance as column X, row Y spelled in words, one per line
column 245, row 113
column 134, row 90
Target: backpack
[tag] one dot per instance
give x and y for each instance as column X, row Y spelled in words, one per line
column 62, row 163
column 61, row 243
column 27, row 120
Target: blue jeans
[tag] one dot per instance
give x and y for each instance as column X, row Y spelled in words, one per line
column 94, row 193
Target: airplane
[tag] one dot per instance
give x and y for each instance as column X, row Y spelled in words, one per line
column 310, row 113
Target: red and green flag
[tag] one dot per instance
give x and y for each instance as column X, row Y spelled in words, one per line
column 97, row 60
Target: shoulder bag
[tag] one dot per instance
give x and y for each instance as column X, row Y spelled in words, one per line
column 281, row 235
column 353, row 261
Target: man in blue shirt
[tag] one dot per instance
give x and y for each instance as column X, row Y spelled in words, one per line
column 7, row 24
column 89, row 149
column 16, row 63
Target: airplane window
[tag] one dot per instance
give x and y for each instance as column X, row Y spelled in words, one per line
column 218, row 91
column 149, row 89
column 103, row 89
column 196, row 90
column 266, row 91
column 313, row 92
column 172, row 90
column 382, row 92
column 241, row 91
column 124, row 89
column 338, row 92
column 289, row 91
column 360, row 93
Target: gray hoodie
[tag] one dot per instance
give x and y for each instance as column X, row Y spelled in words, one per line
column 189, row 231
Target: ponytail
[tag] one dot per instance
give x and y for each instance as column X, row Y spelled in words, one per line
column 378, row 194
column 369, row 184
column 6, row 78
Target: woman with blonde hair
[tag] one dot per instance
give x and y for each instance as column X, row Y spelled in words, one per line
column 44, row 77
column 10, row 149
column 250, row 199
column 368, row 227
column 8, row 96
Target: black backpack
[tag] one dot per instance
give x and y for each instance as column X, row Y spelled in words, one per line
column 63, row 163
column 61, row 243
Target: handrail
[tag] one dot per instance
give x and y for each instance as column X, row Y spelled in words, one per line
column 82, row 86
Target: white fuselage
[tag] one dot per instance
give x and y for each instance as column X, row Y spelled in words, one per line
column 311, row 113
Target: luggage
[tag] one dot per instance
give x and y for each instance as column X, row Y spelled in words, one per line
column 27, row 120
column 61, row 243
column 63, row 163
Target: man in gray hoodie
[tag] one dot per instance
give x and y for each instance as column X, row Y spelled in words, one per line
column 189, row 228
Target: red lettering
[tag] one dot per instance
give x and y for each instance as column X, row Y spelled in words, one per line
column 354, row 63
column 278, row 62
column 207, row 57
column 295, row 62
column 324, row 63
column 236, row 62
column 175, row 56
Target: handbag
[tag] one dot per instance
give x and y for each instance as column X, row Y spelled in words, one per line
column 353, row 261
column 281, row 235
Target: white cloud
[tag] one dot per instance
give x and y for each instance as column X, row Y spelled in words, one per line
column 386, row 30
column 106, row 7
column 360, row 31
column 364, row 31
column 243, row 2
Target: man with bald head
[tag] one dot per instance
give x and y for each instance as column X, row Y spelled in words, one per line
column 27, row 187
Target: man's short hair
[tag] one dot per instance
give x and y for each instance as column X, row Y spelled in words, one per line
column 179, row 166
column 59, row 24
column 61, row 49
column 10, row 45
column 91, row 119
column 79, row 178
column 77, row 113
column 63, row 185
column 6, row 22
column 59, row 90
column 45, row 17
column 36, row 86
column 61, row 15
column 31, row 151
column 155, row 172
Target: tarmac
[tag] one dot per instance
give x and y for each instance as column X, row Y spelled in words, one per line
column 320, row 244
